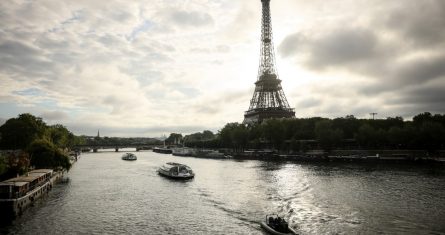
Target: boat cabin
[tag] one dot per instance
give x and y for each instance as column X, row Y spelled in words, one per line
column 19, row 186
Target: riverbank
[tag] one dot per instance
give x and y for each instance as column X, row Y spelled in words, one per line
column 380, row 156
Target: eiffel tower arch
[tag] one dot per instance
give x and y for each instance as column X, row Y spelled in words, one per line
column 268, row 99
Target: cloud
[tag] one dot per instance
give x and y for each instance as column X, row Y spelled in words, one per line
column 394, row 59
column 15, row 54
column 420, row 23
column 343, row 46
column 54, row 115
column 190, row 18
column 335, row 48
column 170, row 64
column 291, row 45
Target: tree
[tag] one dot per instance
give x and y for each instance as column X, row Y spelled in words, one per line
column 60, row 136
column 349, row 125
column 273, row 131
column 174, row 138
column 365, row 135
column 18, row 133
column 423, row 117
column 432, row 135
column 225, row 135
column 207, row 135
column 327, row 137
column 240, row 136
column 45, row 154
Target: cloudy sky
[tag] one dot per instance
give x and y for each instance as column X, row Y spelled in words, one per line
column 147, row 68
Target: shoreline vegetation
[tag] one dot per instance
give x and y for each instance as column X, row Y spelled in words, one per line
column 321, row 139
column 27, row 142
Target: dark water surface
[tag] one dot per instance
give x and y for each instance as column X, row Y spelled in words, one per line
column 106, row 195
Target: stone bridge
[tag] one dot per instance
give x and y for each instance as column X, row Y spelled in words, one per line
column 116, row 147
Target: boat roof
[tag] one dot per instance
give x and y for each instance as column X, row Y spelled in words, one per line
column 174, row 164
column 41, row 171
column 15, row 183
column 23, row 178
column 38, row 174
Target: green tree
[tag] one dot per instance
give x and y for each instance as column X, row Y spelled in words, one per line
column 432, row 135
column 207, row 135
column 225, row 135
column 60, row 136
column 365, row 135
column 45, row 154
column 174, row 138
column 327, row 136
column 240, row 136
column 18, row 133
column 273, row 131
column 422, row 117
column 3, row 165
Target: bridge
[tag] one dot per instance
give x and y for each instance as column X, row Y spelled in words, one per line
column 116, row 147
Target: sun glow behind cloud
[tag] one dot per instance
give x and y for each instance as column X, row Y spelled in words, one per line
column 154, row 67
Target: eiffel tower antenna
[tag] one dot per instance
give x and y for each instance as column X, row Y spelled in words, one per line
column 268, row 99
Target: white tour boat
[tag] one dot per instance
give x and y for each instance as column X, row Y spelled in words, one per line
column 176, row 171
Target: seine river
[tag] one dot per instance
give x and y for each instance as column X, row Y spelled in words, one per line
column 106, row 195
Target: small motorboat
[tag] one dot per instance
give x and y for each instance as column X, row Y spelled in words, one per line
column 176, row 171
column 277, row 225
column 129, row 157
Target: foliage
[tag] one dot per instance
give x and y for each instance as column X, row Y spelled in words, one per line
column 44, row 144
column 18, row 133
column 3, row 165
column 13, row 163
column 45, row 154
column 204, row 136
column 61, row 137
column 174, row 138
column 426, row 131
column 327, row 136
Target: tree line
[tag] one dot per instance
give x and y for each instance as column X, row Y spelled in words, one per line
column 40, row 145
column 425, row 131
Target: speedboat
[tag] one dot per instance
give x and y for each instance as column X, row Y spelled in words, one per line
column 277, row 225
column 129, row 157
column 176, row 171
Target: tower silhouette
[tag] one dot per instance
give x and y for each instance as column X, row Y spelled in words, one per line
column 268, row 100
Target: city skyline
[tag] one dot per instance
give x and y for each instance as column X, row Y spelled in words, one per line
column 151, row 68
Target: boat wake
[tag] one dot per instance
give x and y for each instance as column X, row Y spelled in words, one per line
column 244, row 218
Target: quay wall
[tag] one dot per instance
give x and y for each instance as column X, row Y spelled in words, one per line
column 382, row 156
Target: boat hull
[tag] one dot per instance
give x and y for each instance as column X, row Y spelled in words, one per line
column 272, row 231
column 177, row 177
column 11, row 208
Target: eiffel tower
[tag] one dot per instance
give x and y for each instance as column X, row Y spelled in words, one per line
column 268, row 100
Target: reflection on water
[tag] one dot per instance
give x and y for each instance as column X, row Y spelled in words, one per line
column 107, row 195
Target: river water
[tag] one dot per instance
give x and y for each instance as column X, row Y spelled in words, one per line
column 106, row 195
